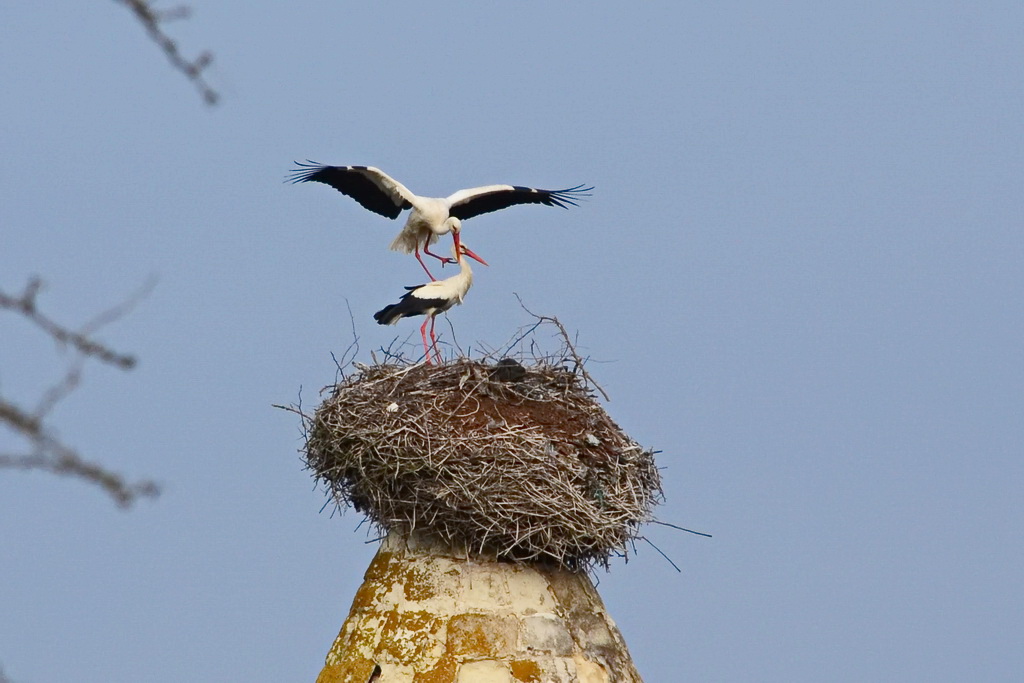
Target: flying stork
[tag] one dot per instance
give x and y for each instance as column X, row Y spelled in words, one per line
column 437, row 296
column 430, row 217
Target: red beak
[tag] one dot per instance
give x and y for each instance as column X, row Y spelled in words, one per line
column 471, row 255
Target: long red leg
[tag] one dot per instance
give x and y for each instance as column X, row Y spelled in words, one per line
column 423, row 333
column 420, row 259
column 442, row 259
column 433, row 337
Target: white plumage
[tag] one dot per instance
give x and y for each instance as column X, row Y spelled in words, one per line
column 432, row 298
column 431, row 217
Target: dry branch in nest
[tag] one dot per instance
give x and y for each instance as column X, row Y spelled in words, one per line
column 518, row 461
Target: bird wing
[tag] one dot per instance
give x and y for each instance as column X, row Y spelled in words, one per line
column 438, row 289
column 468, row 203
column 371, row 187
column 418, row 300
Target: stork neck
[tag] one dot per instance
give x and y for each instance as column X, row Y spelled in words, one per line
column 462, row 280
column 464, row 269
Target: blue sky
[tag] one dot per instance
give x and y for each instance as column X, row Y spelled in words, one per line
column 799, row 277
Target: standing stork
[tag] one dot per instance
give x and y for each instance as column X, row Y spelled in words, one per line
column 437, row 296
column 431, row 217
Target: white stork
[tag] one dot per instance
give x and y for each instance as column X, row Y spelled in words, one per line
column 432, row 298
column 431, row 217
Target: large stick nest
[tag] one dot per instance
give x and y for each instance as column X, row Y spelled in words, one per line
column 521, row 462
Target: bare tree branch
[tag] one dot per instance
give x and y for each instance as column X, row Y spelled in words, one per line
column 152, row 19
column 26, row 305
column 50, row 455
column 45, row 451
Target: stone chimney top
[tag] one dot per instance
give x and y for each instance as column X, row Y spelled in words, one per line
column 426, row 614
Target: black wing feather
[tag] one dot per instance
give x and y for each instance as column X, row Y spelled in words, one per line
column 349, row 180
column 502, row 199
column 407, row 307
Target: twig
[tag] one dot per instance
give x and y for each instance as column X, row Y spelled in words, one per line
column 568, row 342
column 525, row 332
column 50, row 455
column 455, row 341
column 46, row 451
column 292, row 409
column 115, row 313
column 55, row 394
column 69, row 464
column 26, row 305
column 340, row 365
column 193, row 70
column 689, row 531
column 667, row 558
column 345, row 360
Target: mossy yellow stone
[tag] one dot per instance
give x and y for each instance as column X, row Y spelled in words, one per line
column 428, row 613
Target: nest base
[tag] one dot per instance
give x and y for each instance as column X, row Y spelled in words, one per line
column 519, row 462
